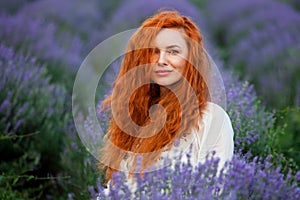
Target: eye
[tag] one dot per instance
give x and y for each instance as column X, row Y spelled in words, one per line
column 173, row 51
column 156, row 51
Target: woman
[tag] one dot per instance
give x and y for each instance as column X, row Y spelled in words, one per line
column 160, row 103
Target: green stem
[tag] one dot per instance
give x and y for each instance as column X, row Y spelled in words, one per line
column 8, row 137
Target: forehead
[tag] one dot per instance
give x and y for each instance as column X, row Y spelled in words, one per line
column 167, row 37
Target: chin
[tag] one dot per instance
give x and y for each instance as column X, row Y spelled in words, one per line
column 162, row 83
column 166, row 83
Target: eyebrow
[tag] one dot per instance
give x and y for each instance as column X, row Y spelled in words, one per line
column 172, row 46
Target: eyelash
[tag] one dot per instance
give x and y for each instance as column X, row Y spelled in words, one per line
column 170, row 51
column 173, row 51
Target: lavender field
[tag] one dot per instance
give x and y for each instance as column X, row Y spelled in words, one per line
column 255, row 44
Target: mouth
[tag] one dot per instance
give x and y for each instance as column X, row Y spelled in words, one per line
column 163, row 72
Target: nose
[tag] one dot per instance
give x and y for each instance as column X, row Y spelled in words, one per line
column 162, row 61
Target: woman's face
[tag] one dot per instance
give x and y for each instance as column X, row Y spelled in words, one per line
column 170, row 57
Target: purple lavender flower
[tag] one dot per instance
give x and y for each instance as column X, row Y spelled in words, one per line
column 239, row 179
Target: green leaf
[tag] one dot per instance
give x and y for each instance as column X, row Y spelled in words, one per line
column 15, row 181
column 30, row 178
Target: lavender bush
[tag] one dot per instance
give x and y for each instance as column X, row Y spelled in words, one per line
column 254, row 127
column 83, row 18
column 239, row 179
column 61, row 52
column 26, row 93
column 33, row 116
column 262, row 38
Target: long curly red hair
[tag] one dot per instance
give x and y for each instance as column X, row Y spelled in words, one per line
column 183, row 112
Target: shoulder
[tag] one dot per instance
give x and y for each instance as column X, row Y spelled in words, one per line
column 218, row 134
column 216, row 121
column 216, row 114
column 214, row 110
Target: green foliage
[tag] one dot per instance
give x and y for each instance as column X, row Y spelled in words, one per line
column 289, row 141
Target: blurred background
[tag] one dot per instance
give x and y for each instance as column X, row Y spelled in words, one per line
column 256, row 45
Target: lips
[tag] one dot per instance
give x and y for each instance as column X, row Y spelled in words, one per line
column 163, row 72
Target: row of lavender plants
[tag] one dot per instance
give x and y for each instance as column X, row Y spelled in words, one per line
column 42, row 45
